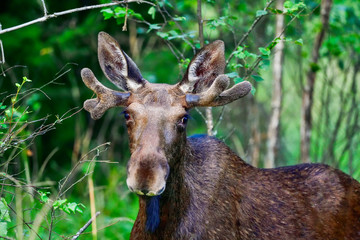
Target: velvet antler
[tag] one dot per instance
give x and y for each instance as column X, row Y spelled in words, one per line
column 106, row 97
column 204, row 82
column 216, row 95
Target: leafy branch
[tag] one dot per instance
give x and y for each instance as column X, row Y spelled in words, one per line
column 57, row 14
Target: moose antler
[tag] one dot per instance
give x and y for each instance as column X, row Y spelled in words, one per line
column 204, row 83
column 216, row 95
column 106, row 97
column 237, row 91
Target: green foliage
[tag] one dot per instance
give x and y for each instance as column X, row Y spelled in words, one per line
column 120, row 13
column 4, row 217
column 292, row 8
column 260, row 13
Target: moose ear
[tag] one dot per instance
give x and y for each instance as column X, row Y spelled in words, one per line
column 117, row 66
column 204, row 68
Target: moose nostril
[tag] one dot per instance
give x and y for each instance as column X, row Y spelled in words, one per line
column 144, row 191
column 161, row 191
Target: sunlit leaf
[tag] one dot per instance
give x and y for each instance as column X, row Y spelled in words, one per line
column 257, row 78
column 299, row 42
column 260, row 13
column 151, row 12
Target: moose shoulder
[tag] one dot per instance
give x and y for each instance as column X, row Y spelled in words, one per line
column 196, row 187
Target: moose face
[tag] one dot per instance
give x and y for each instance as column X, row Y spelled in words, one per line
column 156, row 122
column 156, row 114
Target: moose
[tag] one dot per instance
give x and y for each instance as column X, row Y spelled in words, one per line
column 196, row 187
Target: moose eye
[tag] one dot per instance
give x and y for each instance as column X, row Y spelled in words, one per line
column 126, row 115
column 185, row 119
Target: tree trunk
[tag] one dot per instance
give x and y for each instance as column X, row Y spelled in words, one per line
column 209, row 116
column 274, row 124
column 255, row 138
column 308, row 91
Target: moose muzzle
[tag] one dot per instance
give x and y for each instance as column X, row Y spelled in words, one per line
column 147, row 174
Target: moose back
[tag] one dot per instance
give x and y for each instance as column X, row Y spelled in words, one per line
column 196, row 187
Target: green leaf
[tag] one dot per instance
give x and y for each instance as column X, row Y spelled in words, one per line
column 120, row 12
column 151, row 12
column 264, row 51
column 107, row 13
column 153, row 27
column 238, row 79
column 288, row 4
column 253, row 90
column 232, row 74
column 17, row 85
column 265, row 64
column 249, row 54
column 4, row 211
column 59, row 203
column 44, row 196
column 3, row 229
column 72, row 206
column 299, row 42
column 25, row 79
column 257, row 78
column 260, row 13
column 179, row 19
column 137, row 15
column 162, row 35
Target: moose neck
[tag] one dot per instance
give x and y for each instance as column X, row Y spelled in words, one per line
column 176, row 196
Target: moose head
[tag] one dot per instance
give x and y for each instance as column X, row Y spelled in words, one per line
column 156, row 114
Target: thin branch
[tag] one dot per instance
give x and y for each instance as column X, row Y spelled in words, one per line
column 57, row 14
column 44, row 7
column 178, row 26
column 124, row 28
column 246, row 35
column 22, row 219
column 200, row 23
column 259, row 59
column 209, row 115
column 220, row 118
column 85, row 226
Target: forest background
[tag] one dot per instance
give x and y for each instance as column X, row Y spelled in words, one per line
column 59, row 168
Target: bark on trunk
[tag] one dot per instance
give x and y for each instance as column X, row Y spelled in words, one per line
column 255, row 138
column 308, row 91
column 209, row 115
column 274, row 124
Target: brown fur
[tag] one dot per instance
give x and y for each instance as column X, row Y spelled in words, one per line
column 213, row 194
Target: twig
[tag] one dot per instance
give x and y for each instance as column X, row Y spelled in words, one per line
column 22, row 219
column 44, row 7
column 209, row 116
column 85, row 226
column 245, row 36
column 124, row 28
column 57, row 14
column 218, row 121
column 2, row 60
column 200, row 23
column 120, row 219
column 259, row 59
column 8, row 238
column 64, row 181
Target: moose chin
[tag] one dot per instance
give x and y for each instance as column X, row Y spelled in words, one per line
column 197, row 187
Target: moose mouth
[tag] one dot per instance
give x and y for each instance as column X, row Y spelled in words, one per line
column 148, row 193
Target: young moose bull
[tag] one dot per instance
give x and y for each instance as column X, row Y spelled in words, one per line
column 197, row 188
